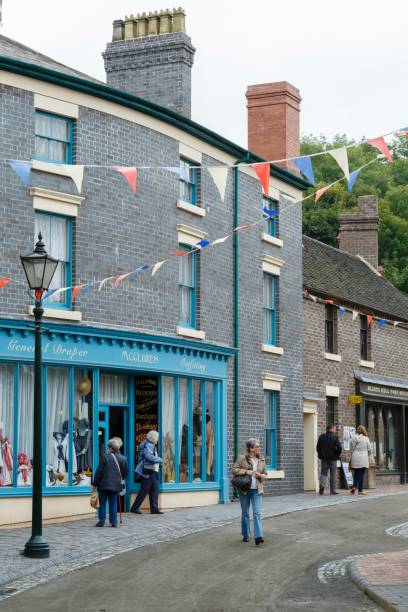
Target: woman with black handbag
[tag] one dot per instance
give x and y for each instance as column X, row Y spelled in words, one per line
column 249, row 472
column 148, row 464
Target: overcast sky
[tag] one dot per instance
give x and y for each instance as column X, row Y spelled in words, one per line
column 348, row 58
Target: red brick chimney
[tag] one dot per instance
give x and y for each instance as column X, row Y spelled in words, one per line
column 273, row 121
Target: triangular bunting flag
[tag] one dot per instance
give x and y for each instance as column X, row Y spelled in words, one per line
column 86, row 289
column 379, row 143
column 120, row 278
column 157, row 266
column 320, row 192
column 219, row 175
column 328, row 302
column 381, row 322
column 395, row 323
column 355, row 315
column 342, row 311
column 104, row 281
column 243, row 227
column 4, row 281
column 220, row 240
column 76, row 173
column 75, row 291
column 263, row 173
column 352, row 179
column 179, row 253
column 305, row 166
column 22, row 169
column 130, row 173
column 369, row 320
column 313, row 297
column 202, row 244
column 270, row 213
column 340, row 155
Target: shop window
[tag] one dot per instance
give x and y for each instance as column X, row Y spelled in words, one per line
column 59, row 449
column 187, row 289
column 113, row 389
column 210, row 429
column 188, row 181
column 57, row 237
column 269, row 308
column 6, row 425
column 330, row 328
column 271, row 409
column 330, row 411
column 383, row 424
column 82, row 427
column 364, row 331
column 197, row 431
column 271, row 221
column 53, row 138
column 168, row 431
column 25, row 425
column 183, row 431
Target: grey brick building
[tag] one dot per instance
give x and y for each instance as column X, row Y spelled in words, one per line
column 355, row 346
column 209, row 349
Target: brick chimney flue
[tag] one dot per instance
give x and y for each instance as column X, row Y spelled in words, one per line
column 358, row 234
column 273, row 121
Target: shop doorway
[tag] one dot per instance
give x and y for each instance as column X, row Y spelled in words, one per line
column 113, row 423
column 310, row 440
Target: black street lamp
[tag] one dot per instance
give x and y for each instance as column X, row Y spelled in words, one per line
column 39, row 269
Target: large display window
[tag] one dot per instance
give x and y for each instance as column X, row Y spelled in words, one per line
column 384, row 426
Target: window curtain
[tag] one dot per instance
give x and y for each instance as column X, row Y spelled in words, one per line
column 186, row 282
column 168, row 430
column 57, row 420
column 209, row 428
column 113, row 389
column 25, row 424
column 183, row 431
column 55, row 238
column 6, row 424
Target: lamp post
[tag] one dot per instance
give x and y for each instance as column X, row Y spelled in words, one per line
column 39, row 268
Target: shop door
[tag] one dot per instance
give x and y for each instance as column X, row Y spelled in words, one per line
column 310, row 457
column 113, row 423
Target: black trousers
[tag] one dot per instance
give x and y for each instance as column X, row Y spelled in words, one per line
column 149, row 486
column 359, row 478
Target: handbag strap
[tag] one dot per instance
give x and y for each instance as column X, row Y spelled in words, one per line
column 117, row 465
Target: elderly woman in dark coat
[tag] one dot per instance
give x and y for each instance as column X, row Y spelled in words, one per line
column 108, row 481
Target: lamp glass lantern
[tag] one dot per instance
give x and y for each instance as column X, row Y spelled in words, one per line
column 39, row 267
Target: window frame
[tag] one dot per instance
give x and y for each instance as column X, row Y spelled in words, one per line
column 271, row 404
column 68, row 264
column 271, row 309
column 329, row 329
column 272, row 227
column 192, row 166
column 330, row 410
column 69, row 142
column 192, row 289
column 364, row 331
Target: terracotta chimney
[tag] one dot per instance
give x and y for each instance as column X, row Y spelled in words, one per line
column 273, row 121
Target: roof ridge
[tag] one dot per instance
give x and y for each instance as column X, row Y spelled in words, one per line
column 339, row 251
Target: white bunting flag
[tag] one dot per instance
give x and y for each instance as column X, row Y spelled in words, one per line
column 355, row 315
column 157, row 266
column 105, row 280
column 219, row 175
column 220, row 240
column 76, row 173
column 396, row 323
column 313, row 297
column 340, row 155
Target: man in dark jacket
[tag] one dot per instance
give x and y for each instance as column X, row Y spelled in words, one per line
column 329, row 451
column 108, row 480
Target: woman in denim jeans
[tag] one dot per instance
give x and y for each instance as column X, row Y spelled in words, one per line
column 254, row 465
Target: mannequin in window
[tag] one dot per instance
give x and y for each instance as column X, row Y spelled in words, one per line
column 197, row 442
column 82, row 440
column 209, row 440
column 6, row 459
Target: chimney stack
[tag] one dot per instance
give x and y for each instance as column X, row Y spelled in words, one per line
column 151, row 56
column 273, row 121
column 358, row 234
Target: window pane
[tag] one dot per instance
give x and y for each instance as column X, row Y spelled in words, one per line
column 82, row 426
column 59, row 238
column 6, row 425
column 210, row 430
column 186, row 270
column 59, row 451
column 268, row 337
column 146, row 409
column 185, row 305
column 113, row 389
column 25, row 425
column 183, row 419
column 41, row 147
column 197, row 430
column 42, row 224
column 168, row 436
column 42, row 124
column 57, row 151
column 59, row 128
column 268, row 293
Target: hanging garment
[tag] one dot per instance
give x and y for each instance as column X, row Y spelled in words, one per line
column 82, row 443
column 209, row 438
column 24, row 471
column 6, row 463
column 59, row 453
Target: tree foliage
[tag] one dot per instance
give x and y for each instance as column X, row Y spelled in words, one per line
column 389, row 181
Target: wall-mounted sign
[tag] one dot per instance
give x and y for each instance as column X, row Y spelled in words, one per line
column 348, row 432
column 355, row 399
column 385, row 392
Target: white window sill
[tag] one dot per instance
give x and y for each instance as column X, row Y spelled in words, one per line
column 272, row 240
column 332, row 357
column 275, row 474
column 59, row 313
column 270, row 348
column 191, row 208
column 367, row 364
column 189, row 332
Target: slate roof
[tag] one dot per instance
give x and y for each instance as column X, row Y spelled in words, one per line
column 15, row 50
column 335, row 274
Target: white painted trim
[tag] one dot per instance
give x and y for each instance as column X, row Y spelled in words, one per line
column 189, row 235
column 269, row 376
column 309, row 407
column 190, row 153
column 59, row 313
column 272, row 265
column 332, row 391
column 332, row 357
column 189, row 332
column 56, row 202
column 191, row 208
column 272, row 240
column 270, row 348
column 50, row 168
column 53, row 105
column 275, row 474
column 271, row 385
column 366, row 364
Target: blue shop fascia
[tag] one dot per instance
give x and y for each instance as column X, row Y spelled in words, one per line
column 102, row 383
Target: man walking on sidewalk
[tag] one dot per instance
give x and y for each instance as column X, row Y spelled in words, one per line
column 329, row 451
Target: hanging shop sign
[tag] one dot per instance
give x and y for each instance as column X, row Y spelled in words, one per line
column 355, row 399
column 385, row 392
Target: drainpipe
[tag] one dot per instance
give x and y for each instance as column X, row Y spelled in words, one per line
column 236, row 307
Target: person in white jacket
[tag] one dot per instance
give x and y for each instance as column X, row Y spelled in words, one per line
column 360, row 450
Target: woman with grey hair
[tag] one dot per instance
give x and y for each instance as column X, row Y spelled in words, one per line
column 148, row 464
column 108, row 477
column 253, row 465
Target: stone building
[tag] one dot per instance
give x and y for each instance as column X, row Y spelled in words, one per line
column 355, row 346
column 209, row 349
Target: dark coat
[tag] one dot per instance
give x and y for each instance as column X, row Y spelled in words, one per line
column 328, row 447
column 107, row 477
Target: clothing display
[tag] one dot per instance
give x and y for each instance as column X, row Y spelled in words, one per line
column 82, row 444
column 61, row 454
column 6, row 460
column 209, row 437
column 169, row 470
column 24, row 471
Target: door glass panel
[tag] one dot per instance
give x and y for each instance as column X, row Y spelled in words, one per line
column 113, row 389
column 146, row 409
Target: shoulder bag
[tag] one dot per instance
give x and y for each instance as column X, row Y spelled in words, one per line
column 122, row 480
column 242, row 483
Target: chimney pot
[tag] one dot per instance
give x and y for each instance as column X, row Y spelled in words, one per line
column 118, row 30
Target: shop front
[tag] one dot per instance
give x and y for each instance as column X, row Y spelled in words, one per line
column 99, row 384
column 383, row 411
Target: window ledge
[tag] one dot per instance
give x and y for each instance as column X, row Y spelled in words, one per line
column 366, row 364
column 189, row 332
column 59, row 313
column 191, row 208
column 270, row 348
column 55, row 202
column 332, row 357
column 275, row 474
column 272, row 240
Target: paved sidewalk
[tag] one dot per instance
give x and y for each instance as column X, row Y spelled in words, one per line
column 78, row 544
column 384, row 578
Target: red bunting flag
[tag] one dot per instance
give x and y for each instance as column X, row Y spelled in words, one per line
column 320, row 192
column 4, row 281
column 75, row 291
column 263, row 172
column 379, row 143
column 130, row 173
column 328, row 302
column 179, row 253
column 120, row 278
column 243, row 227
column 369, row 320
